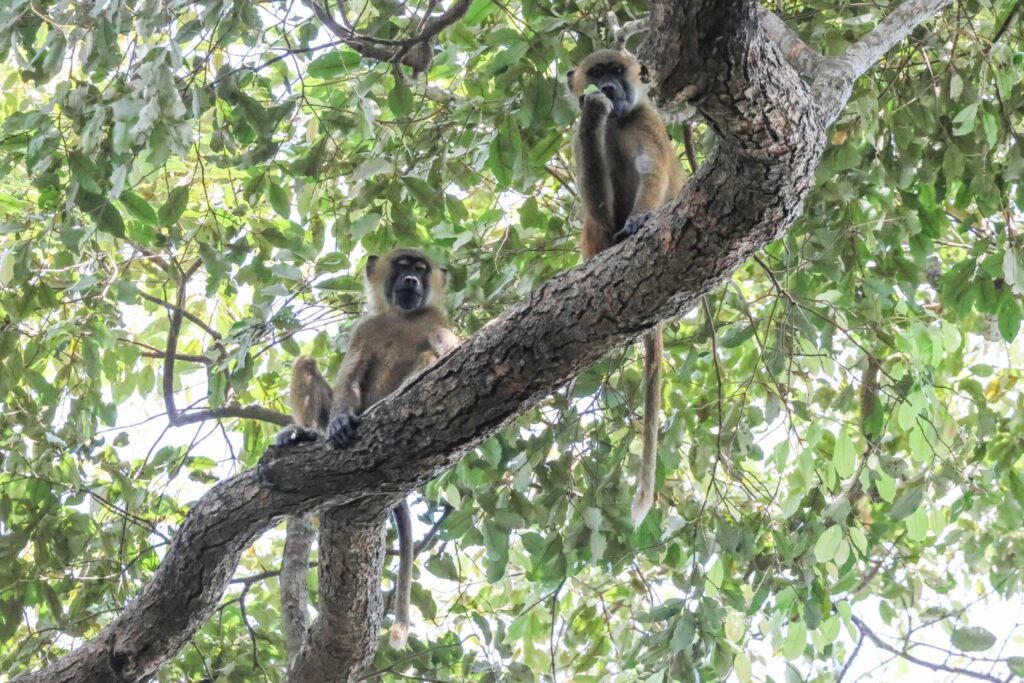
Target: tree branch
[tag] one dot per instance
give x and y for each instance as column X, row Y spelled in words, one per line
column 191, row 316
column 294, row 572
column 251, row 412
column 905, row 654
column 620, row 34
column 177, row 419
column 867, row 51
column 833, row 80
column 414, row 52
column 802, row 57
column 343, row 639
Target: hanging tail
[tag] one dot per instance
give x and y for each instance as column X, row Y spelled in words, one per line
column 654, row 349
column 403, row 589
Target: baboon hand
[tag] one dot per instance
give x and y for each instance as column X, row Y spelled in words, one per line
column 342, row 430
column 634, row 224
column 293, row 434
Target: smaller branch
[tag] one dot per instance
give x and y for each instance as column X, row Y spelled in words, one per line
column 853, row 656
column 348, row 36
column 1004, row 26
column 187, row 357
column 801, row 56
column 691, row 151
column 620, row 34
column 899, row 24
column 177, row 314
column 153, row 352
column 904, row 654
column 190, row 316
column 434, row 26
column 413, row 52
column 176, row 419
column 250, row 412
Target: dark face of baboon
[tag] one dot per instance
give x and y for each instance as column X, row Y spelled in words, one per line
column 616, row 74
column 406, row 281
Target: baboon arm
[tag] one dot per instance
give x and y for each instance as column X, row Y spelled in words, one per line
column 595, row 185
column 349, row 389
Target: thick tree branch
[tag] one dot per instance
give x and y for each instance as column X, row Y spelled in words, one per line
column 298, row 540
column 748, row 192
column 343, row 639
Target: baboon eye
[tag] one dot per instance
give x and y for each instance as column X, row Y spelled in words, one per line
column 616, row 70
column 421, row 267
column 595, row 72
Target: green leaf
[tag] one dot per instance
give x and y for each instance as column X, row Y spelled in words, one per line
column 107, row 218
column 917, row 525
column 886, row 486
column 85, row 172
column 972, row 639
column 964, row 121
column 1009, row 318
column 827, row 544
column 1012, row 272
column 279, row 199
column 1016, row 665
column 138, row 207
column 334, row 64
column 844, row 457
column 907, row 503
column 736, row 336
column 796, row 640
column 174, row 207
column 7, row 267
column 496, row 542
column 743, row 668
column 400, row 100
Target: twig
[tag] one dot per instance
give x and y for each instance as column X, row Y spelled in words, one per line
column 1004, row 26
column 176, row 419
column 191, row 316
column 904, row 654
column 853, row 656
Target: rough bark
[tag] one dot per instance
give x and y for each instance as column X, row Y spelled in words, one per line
column 298, row 540
column 748, row 193
column 343, row 639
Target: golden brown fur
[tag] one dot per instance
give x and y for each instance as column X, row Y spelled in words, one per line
column 625, row 164
column 625, row 167
column 390, row 344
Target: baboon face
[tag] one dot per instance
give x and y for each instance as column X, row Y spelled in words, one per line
column 616, row 74
column 408, row 279
column 408, row 283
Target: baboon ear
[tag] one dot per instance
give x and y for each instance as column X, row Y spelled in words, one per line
column 645, row 75
column 444, row 276
column 371, row 263
column 568, row 77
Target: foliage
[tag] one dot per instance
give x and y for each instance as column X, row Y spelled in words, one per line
column 843, row 422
